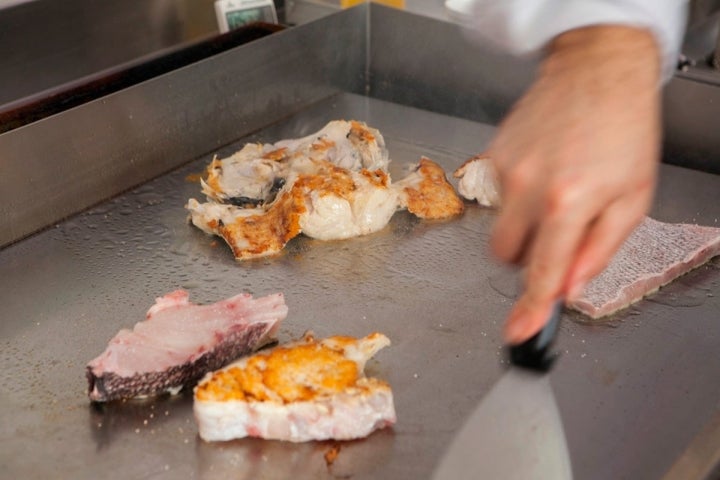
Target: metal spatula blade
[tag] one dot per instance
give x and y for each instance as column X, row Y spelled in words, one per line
column 516, row 431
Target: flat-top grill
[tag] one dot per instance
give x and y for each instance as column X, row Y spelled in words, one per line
column 633, row 391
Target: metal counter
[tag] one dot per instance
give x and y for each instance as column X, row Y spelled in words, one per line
column 633, row 391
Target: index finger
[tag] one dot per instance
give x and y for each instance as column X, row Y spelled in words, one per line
column 551, row 257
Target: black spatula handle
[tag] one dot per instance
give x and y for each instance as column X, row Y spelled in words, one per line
column 536, row 352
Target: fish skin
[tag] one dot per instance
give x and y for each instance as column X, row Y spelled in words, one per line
column 110, row 386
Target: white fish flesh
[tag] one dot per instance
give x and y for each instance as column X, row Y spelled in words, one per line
column 478, row 181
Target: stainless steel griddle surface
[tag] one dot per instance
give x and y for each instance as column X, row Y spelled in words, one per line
column 633, row 391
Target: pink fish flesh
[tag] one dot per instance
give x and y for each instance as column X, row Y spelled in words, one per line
column 655, row 254
column 178, row 342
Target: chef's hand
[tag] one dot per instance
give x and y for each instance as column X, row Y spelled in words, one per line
column 577, row 160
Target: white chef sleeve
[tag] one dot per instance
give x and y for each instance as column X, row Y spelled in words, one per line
column 526, row 26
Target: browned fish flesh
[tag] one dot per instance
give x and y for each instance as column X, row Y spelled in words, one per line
column 311, row 389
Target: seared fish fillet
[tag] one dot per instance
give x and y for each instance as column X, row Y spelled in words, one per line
column 331, row 185
column 306, row 390
column 179, row 342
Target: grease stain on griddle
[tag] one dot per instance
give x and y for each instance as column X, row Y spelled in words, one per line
column 611, row 321
column 690, row 290
column 686, row 298
column 251, row 458
column 507, row 283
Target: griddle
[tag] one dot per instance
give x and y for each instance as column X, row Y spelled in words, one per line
column 634, row 390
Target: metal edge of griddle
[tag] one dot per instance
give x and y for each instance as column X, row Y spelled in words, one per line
column 690, row 111
column 72, row 94
column 475, row 82
column 701, row 458
column 65, row 163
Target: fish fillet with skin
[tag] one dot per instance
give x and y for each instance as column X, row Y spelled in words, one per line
column 654, row 255
column 179, row 342
column 306, row 390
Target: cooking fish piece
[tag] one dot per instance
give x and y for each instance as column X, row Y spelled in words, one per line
column 427, row 193
column 179, row 342
column 655, row 254
column 478, row 181
column 327, row 189
column 352, row 145
column 250, row 233
column 329, row 204
column 306, row 390
column 340, row 203
column 247, row 178
column 253, row 176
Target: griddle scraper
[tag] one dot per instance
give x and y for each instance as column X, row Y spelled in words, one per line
column 516, row 431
